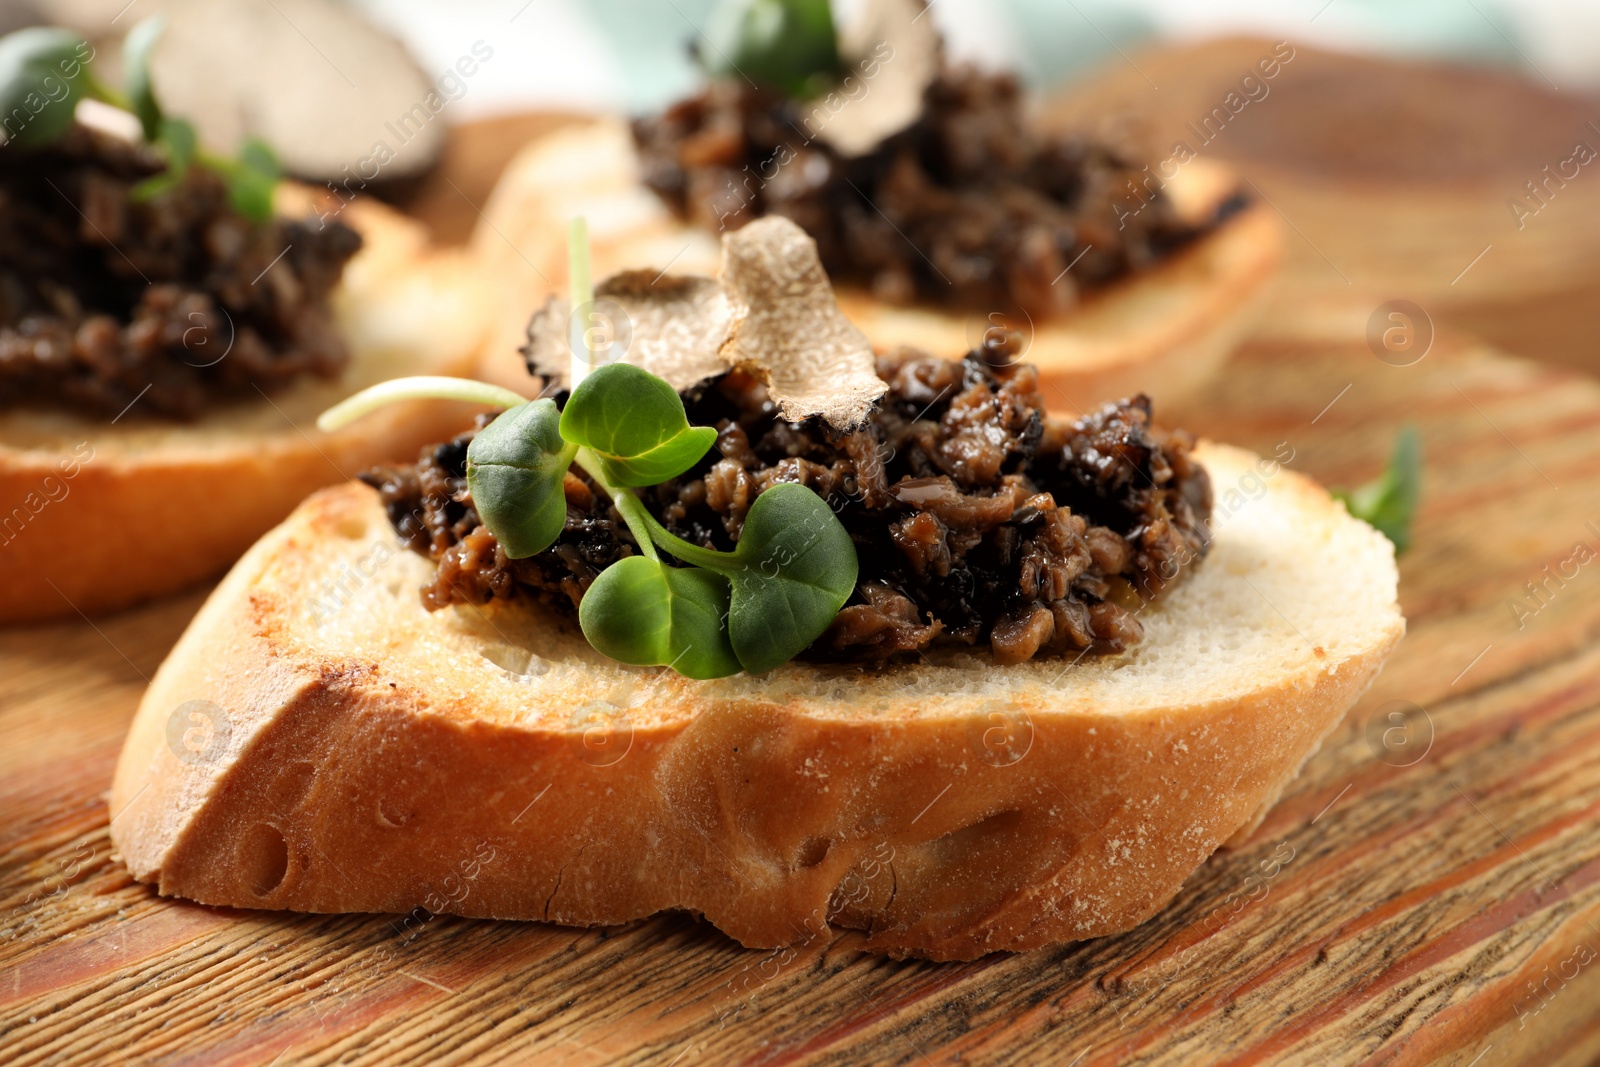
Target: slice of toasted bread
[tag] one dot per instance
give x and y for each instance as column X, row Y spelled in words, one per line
column 317, row 741
column 97, row 514
column 1163, row 331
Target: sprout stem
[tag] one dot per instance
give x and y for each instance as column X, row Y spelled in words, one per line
column 581, row 294
column 422, row 387
column 96, row 89
column 628, row 506
column 692, row 554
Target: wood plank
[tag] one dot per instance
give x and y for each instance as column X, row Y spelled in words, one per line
column 450, row 198
column 1397, row 177
column 1382, row 913
column 1412, row 908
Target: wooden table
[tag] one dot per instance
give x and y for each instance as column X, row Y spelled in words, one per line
column 1397, row 178
column 1426, row 870
column 1426, row 892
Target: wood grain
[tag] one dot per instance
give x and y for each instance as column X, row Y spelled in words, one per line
column 1382, row 913
column 450, row 199
column 1400, row 905
column 1396, row 177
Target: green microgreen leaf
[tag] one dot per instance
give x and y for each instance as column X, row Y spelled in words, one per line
column 1389, row 502
column 137, row 86
column 791, row 572
column 155, row 185
column 515, row 467
column 787, row 45
column 43, row 75
column 258, row 156
column 178, row 142
column 635, row 422
column 251, row 179
column 797, row 568
column 641, row 611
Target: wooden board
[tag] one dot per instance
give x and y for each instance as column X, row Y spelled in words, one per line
column 1382, row 913
column 1398, row 179
column 450, row 199
column 1415, row 898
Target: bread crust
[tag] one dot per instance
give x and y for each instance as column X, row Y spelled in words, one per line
column 378, row 758
column 98, row 515
column 1164, row 331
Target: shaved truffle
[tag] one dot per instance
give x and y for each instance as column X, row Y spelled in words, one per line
column 772, row 314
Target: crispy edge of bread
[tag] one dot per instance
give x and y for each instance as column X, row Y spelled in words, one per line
column 1165, row 331
column 374, row 757
column 96, row 515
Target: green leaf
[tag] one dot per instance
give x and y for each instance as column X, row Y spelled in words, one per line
column 251, row 179
column 635, row 423
column 43, row 75
column 792, row 571
column 515, row 467
column 178, row 142
column 644, row 612
column 1389, row 501
column 797, row 567
column 258, row 156
column 250, row 193
column 787, row 45
column 155, row 185
column 137, row 86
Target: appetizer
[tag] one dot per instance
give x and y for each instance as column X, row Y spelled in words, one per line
column 171, row 322
column 742, row 619
column 940, row 206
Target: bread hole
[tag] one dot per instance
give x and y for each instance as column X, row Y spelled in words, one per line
column 264, row 858
column 999, row 822
column 985, row 833
column 292, row 785
column 519, row 664
column 813, row 850
column 351, row 527
column 393, row 813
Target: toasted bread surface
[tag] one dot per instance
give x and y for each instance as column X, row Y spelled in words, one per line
column 1163, row 331
column 317, row 741
column 97, row 514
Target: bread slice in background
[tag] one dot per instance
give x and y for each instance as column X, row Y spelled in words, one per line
column 317, row 741
column 97, row 515
column 1162, row 331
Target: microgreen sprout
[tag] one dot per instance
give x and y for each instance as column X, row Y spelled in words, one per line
column 750, row 609
column 787, row 45
column 418, row 387
column 1389, row 501
column 44, row 73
